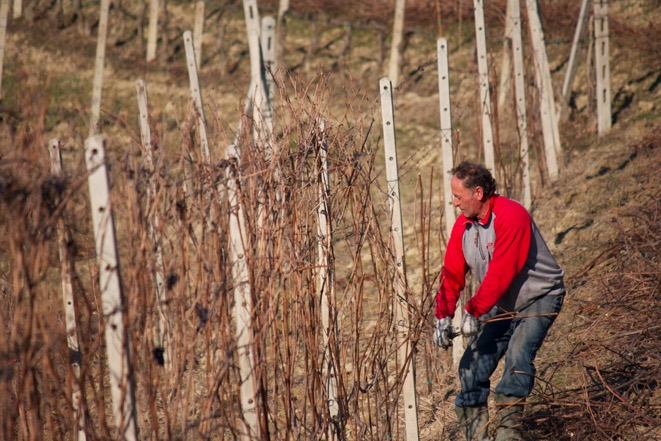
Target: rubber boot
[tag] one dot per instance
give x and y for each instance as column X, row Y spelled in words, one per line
column 474, row 422
column 510, row 414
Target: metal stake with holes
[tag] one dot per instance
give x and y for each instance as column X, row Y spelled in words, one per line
column 268, row 55
column 152, row 32
column 4, row 12
column 485, row 93
column 263, row 124
column 550, row 131
column 520, row 100
column 119, row 366
column 446, row 130
column 448, row 164
column 405, row 352
column 326, row 281
column 601, row 62
column 571, row 64
column 242, row 300
column 98, row 67
column 196, row 95
column 163, row 335
column 505, row 64
column 198, row 31
column 69, row 306
column 397, row 34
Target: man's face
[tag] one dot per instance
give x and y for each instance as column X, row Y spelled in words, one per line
column 467, row 200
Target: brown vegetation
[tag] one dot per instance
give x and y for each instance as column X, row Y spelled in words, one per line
column 598, row 372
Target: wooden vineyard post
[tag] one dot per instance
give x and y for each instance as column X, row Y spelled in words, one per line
column 119, row 366
column 152, row 32
column 198, row 31
column 98, row 67
column 196, row 96
column 4, row 12
column 397, row 35
column 163, row 336
column 550, row 131
column 520, row 101
column 242, row 299
column 326, row 281
column 268, row 43
column 601, row 52
column 69, row 307
column 571, row 64
column 485, row 93
column 448, row 164
column 406, row 355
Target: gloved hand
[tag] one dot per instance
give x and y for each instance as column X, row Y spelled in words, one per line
column 443, row 333
column 469, row 325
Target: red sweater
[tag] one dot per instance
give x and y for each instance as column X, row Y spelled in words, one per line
column 508, row 255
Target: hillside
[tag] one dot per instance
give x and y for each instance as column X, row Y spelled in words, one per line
column 599, row 368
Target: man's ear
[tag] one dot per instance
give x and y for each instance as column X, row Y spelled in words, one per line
column 479, row 192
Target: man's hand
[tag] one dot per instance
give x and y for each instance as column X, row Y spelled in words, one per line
column 444, row 332
column 469, row 325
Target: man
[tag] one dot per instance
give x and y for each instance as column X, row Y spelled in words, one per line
column 520, row 294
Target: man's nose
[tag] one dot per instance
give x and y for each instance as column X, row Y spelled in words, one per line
column 455, row 202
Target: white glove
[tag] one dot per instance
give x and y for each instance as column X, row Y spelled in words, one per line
column 444, row 332
column 469, row 325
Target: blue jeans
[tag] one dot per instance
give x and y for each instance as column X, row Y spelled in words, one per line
column 518, row 339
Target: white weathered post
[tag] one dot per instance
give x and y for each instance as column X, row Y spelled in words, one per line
column 601, row 53
column 448, row 164
column 326, row 282
column 152, row 32
column 397, row 35
column 263, row 127
column 18, row 8
column 401, row 301
column 69, row 307
column 283, row 7
column 117, row 348
column 550, row 131
column 198, row 31
column 4, row 12
column 98, row 67
column 505, row 64
column 446, row 130
column 268, row 44
column 485, row 90
column 163, row 336
column 573, row 59
column 246, row 111
column 242, row 300
column 196, row 95
column 520, row 100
